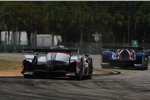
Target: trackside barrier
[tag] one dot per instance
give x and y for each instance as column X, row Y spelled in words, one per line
column 18, row 49
column 84, row 48
column 14, row 48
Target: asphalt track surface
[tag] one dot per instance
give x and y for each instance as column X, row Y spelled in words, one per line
column 129, row 85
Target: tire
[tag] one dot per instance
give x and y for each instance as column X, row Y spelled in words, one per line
column 145, row 68
column 80, row 75
column 146, row 64
column 90, row 71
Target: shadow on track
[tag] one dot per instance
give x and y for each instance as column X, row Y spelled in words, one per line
column 97, row 74
column 124, row 68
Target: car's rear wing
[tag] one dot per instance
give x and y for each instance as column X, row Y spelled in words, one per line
column 119, row 47
column 49, row 50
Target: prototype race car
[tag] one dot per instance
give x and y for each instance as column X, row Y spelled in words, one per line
column 56, row 62
column 125, row 56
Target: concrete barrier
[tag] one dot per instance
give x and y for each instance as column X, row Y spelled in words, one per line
column 96, row 61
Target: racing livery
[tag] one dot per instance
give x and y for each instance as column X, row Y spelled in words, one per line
column 125, row 56
column 56, row 62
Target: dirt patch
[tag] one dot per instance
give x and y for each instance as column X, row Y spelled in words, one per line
column 10, row 73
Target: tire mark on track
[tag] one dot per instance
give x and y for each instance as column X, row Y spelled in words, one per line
column 104, row 88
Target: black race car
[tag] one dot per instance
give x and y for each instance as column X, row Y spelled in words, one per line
column 56, row 62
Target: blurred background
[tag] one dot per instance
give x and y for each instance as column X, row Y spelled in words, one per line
column 87, row 25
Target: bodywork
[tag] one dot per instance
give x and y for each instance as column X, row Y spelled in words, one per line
column 55, row 63
column 125, row 56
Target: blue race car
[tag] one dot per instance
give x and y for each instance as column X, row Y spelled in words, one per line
column 125, row 56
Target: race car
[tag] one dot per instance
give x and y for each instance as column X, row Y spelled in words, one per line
column 56, row 62
column 124, row 56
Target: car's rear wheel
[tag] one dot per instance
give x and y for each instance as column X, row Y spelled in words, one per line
column 80, row 75
column 90, row 68
column 145, row 68
column 146, row 64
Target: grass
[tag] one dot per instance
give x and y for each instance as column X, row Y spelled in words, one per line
column 6, row 65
